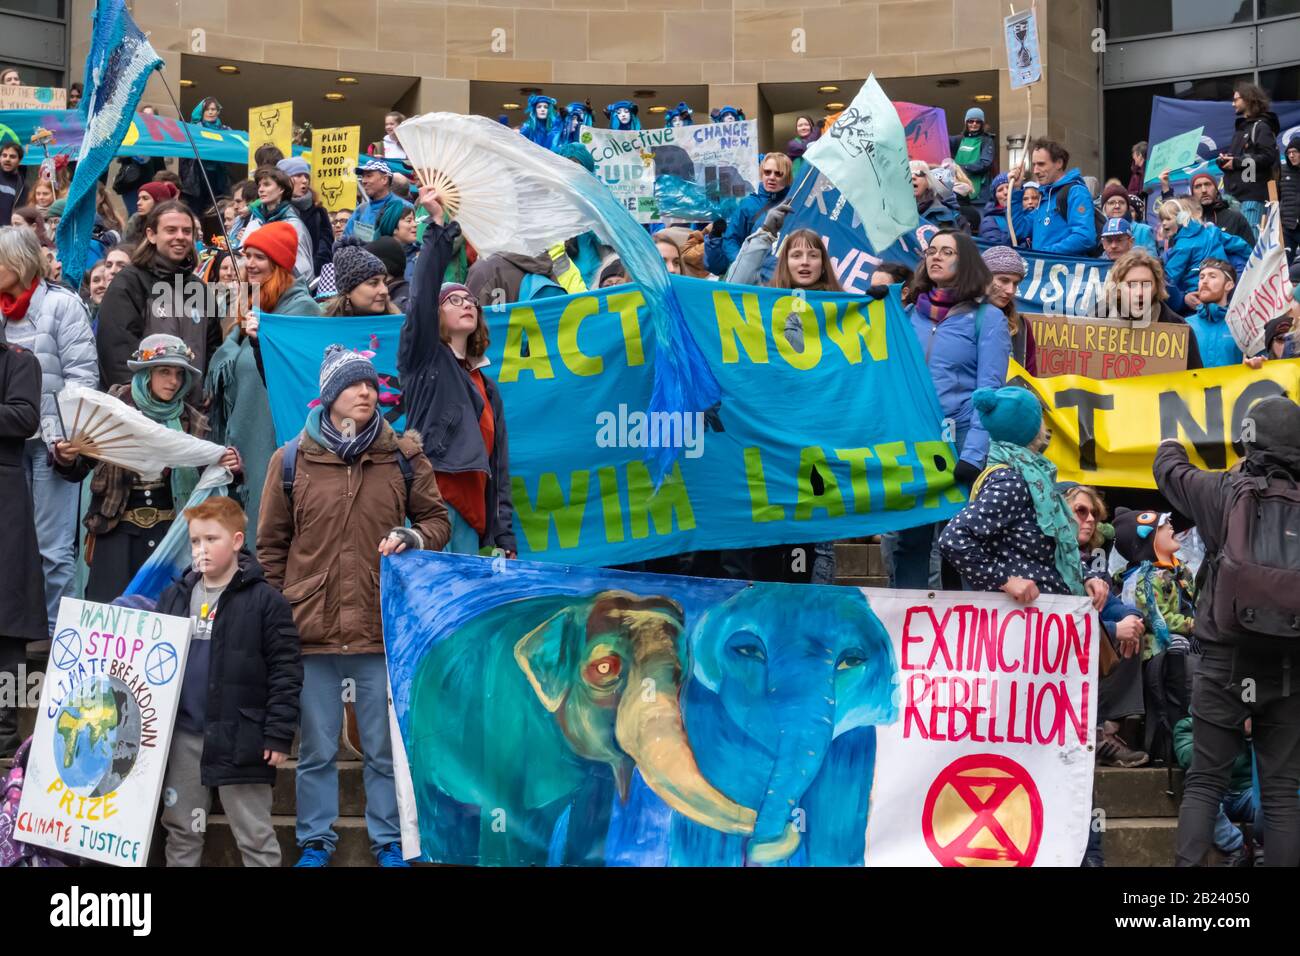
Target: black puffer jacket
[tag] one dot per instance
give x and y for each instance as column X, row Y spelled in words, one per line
column 254, row 675
column 1255, row 138
column 1289, row 190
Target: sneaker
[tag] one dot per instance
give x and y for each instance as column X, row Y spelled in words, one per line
column 315, row 853
column 390, row 855
column 1113, row 752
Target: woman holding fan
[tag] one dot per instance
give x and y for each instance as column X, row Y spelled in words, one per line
column 128, row 516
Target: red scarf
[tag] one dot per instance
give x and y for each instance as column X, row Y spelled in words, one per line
column 14, row 307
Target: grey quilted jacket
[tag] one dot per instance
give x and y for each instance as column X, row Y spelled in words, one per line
column 56, row 329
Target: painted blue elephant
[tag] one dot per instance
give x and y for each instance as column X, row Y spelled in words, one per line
column 532, row 720
column 788, row 684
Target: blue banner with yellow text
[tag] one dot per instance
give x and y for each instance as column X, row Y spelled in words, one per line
column 832, row 434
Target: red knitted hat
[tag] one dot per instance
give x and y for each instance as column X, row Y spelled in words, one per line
column 279, row 240
column 160, row 192
column 1205, row 175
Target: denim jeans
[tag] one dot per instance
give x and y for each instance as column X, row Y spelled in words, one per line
column 55, row 502
column 915, row 555
column 1253, row 211
column 464, row 539
column 1238, row 806
column 322, row 721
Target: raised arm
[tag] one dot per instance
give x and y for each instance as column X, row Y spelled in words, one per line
column 420, row 332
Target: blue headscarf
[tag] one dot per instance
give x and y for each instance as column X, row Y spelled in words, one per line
column 576, row 116
column 611, row 112
column 541, row 132
column 682, row 110
column 197, row 115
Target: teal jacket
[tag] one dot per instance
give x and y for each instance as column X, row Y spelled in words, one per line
column 1239, row 778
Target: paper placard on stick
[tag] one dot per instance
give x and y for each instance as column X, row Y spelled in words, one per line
column 1107, row 348
column 270, row 125
column 333, row 172
column 100, row 746
column 1022, row 49
column 1264, row 291
column 1173, row 154
column 33, row 98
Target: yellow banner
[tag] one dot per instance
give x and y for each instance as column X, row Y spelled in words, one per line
column 333, row 171
column 270, row 125
column 1106, row 432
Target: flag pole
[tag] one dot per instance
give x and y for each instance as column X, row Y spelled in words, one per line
column 202, row 172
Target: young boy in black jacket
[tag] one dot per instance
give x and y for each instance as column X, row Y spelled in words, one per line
column 238, row 708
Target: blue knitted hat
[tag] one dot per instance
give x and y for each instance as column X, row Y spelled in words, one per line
column 343, row 367
column 1010, row 414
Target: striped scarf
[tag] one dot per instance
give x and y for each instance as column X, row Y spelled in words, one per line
column 321, row 427
column 934, row 305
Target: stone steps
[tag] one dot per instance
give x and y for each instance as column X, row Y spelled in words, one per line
column 353, row 847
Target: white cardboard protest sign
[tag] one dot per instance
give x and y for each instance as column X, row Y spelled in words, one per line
column 1264, row 290
column 718, row 159
column 100, row 746
column 990, row 762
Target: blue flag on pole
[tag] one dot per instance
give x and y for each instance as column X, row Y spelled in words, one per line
column 117, row 68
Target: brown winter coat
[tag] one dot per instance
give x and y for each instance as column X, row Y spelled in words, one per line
column 323, row 554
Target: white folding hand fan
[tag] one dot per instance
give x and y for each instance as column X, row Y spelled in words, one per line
column 106, row 428
column 507, row 193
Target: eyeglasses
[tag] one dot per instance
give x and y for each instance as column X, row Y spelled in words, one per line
column 458, row 299
column 1083, row 512
column 940, row 252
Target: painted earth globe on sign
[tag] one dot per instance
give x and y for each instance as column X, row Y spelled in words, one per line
column 97, row 736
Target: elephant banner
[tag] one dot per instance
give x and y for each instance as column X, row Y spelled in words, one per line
column 828, row 433
column 564, row 716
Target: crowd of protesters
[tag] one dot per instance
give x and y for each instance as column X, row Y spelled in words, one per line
column 167, row 320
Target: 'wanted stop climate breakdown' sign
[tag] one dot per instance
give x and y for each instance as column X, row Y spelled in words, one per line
column 100, row 746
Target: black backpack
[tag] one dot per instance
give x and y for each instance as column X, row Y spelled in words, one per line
column 1098, row 220
column 1254, row 580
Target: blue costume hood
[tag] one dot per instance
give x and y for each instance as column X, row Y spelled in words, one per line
column 727, row 114
column 680, row 110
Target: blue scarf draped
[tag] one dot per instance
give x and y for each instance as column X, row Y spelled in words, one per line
column 1055, row 519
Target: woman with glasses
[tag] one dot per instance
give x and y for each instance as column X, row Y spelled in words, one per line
column 1119, row 691
column 454, row 406
column 1135, row 291
column 966, row 343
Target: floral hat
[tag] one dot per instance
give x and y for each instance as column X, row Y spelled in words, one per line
column 157, row 350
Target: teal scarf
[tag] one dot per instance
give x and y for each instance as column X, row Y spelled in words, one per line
column 1054, row 517
column 169, row 414
column 282, row 212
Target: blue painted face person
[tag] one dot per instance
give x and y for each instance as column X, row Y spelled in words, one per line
column 679, row 115
column 623, row 115
column 576, row 116
column 542, row 125
column 787, row 676
column 727, row 114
